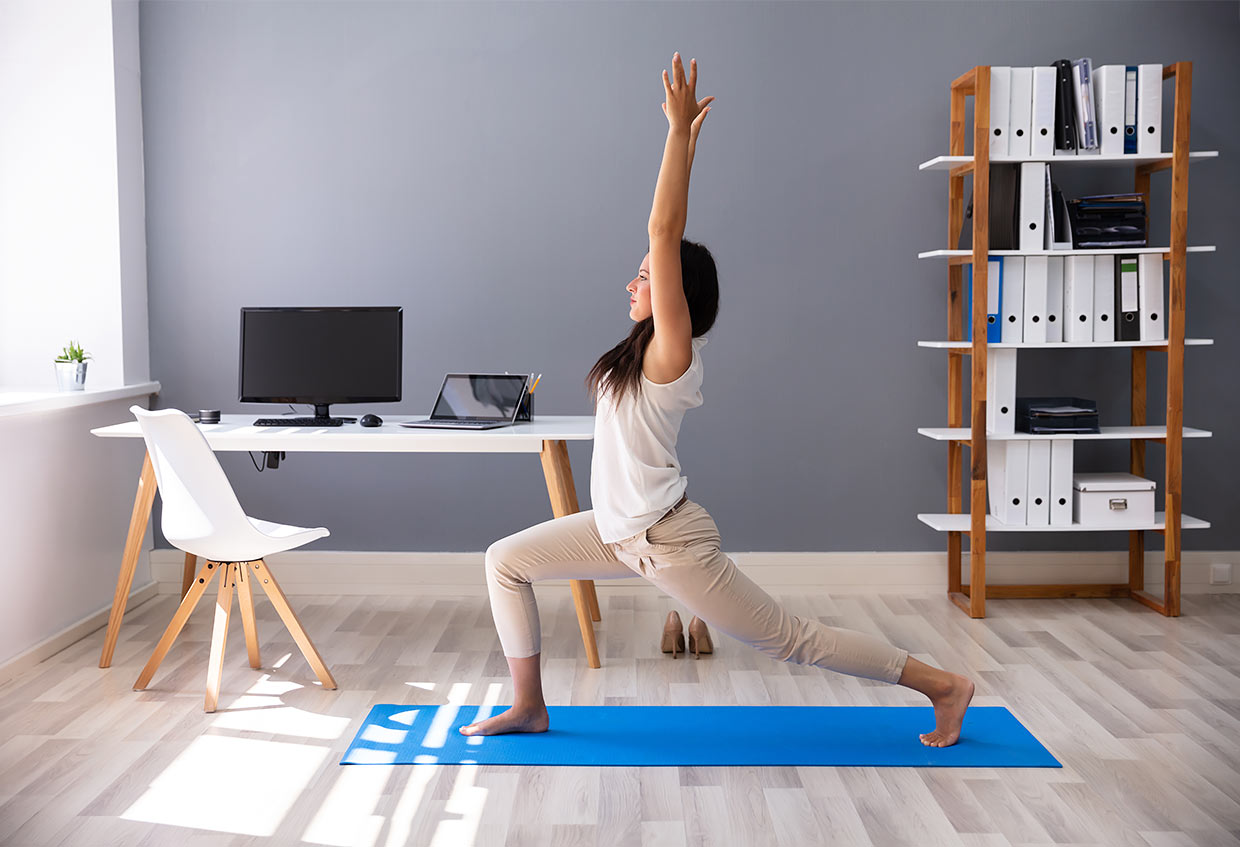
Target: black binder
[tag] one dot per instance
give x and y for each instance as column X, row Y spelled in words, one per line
column 1004, row 199
column 1065, row 107
column 1127, row 320
column 1048, row 415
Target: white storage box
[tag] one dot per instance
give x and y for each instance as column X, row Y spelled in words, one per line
column 1112, row 499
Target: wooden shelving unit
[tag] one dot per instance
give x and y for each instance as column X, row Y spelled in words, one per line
column 976, row 522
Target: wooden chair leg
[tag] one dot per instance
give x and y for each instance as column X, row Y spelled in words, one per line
column 187, row 572
column 245, row 601
column 219, row 635
column 196, row 589
column 265, row 578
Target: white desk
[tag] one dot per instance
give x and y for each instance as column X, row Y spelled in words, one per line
column 546, row 435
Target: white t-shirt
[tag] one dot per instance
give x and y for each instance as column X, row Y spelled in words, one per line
column 634, row 473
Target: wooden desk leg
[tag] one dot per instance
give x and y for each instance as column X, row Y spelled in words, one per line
column 563, row 493
column 129, row 560
column 187, row 572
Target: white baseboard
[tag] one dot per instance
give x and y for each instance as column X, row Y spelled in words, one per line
column 71, row 634
column 344, row 572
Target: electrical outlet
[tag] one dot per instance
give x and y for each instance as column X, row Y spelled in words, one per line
column 1220, row 573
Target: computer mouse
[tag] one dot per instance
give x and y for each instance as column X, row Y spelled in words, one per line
column 370, row 420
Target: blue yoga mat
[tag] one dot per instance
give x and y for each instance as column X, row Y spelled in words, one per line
column 698, row 735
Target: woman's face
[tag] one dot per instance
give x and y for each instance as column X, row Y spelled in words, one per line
column 639, row 292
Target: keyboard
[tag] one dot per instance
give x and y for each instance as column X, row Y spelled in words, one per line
column 429, row 424
column 299, row 422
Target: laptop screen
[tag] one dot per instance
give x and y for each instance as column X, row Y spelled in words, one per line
column 487, row 397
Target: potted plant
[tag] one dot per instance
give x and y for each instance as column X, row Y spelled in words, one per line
column 71, row 368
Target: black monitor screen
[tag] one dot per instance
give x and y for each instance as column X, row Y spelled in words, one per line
column 320, row 355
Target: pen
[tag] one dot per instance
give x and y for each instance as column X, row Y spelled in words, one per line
column 535, row 385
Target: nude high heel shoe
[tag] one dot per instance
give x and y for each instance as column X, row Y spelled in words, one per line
column 699, row 638
column 673, row 634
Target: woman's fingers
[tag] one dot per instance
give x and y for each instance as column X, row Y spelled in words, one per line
column 682, row 105
column 697, row 122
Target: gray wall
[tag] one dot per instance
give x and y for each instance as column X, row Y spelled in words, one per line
column 490, row 167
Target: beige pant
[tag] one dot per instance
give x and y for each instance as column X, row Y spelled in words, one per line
column 680, row 554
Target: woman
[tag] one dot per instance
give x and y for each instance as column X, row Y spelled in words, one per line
column 641, row 522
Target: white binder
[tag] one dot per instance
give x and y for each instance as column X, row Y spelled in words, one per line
column 1104, row 298
column 1000, row 109
column 1035, row 300
column 1038, row 512
column 1150, row 297
column 1061, row 482
column 1078, row 299
column 1013, row 304
column 1042, row 143
column 1020, row 112
column 1007, row 469
column 1109, row 99
column 996, row 461
column 1149, row 110
column 1054, row 299
column 1000, row 390
column 1048, row 222
column 1032, row 217
column 1086, row 116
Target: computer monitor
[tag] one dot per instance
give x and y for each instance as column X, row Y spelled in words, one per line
column 321, row 355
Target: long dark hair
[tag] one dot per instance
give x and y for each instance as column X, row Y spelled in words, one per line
column 619, row 369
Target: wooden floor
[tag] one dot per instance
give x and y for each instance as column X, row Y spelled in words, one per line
column 1143, row 711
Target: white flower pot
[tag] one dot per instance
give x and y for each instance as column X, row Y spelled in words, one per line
column 71, row 376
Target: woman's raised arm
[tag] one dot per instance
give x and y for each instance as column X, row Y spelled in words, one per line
column 669, row 352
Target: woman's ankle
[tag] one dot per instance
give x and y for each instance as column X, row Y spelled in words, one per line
column 927, row 679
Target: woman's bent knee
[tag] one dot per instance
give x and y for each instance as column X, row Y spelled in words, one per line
column 498, row 561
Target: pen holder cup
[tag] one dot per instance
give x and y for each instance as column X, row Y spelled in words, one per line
column 525, row 412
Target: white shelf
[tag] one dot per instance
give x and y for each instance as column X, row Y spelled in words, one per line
column 1109, row 433
column 963, row 522
column 18, row 401
column 946, row 163
column 1103, row 251
column 1057, row 345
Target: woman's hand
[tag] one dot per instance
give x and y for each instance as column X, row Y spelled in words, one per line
column 682, row 108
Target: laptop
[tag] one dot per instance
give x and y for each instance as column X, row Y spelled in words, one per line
column 476, row 401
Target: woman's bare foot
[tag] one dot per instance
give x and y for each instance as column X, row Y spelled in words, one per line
column 950, row 703
column 513, row 720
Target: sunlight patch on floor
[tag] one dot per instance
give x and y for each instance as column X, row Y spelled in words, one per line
column 345, row 818
column 407, row 807
column 228, row 784
column 466, row 800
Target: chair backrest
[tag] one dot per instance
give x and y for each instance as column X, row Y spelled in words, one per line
column 199, row 502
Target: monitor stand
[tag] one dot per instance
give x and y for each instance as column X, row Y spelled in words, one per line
column 321, row 413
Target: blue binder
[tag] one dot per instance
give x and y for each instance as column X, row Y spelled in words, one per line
column 994, row 281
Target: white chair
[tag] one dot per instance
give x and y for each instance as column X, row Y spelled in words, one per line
column 201, row 516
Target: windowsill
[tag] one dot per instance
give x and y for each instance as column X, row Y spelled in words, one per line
column 18, row 401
